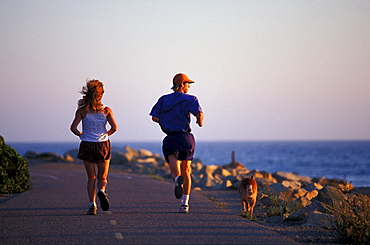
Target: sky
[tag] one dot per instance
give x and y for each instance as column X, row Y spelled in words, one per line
column 264, row 70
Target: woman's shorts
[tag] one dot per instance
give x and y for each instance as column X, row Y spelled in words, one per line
column 94, row 151
column 181, row 144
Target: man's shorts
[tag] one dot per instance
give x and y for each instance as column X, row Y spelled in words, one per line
column 94, row 151
column 181, row 144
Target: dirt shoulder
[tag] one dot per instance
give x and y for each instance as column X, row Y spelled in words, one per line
column 229, row 199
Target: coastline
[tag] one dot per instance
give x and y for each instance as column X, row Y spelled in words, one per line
column 332, row 159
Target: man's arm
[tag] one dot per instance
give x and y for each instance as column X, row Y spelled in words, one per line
column 200, row 117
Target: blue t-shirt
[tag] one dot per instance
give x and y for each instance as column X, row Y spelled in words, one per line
column 173, row 111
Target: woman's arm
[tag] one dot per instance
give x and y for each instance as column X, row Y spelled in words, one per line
column 75, row 122
column 112, row 121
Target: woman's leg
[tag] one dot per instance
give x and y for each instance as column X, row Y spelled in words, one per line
column 91, row 180
column 103, row 170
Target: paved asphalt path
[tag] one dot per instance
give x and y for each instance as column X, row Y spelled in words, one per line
column 143, row 211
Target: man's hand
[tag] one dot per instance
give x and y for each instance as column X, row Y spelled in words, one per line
column 155, row 119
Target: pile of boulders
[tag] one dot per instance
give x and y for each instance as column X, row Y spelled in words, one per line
column 298, row 199
column 48, row 156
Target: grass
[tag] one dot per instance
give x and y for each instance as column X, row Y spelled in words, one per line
column 246, row 215
column 153, row 176
column 220, row 204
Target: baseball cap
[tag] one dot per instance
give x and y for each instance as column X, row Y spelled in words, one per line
column 181, row 78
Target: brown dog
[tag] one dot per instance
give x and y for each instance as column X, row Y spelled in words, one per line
column 248, row 194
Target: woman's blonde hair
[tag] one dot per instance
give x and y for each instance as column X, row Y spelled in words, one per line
column 92, row 95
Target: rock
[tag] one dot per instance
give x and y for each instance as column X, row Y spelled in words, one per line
column 73, row 153
column 196, row 165
column 316, row 218
column 50, row 157
column 230, row 178
column 267, row 175
column 277, row 219
column 144, row 153
column 322, row 181
column 313, row 186
column 236, row 184
column 161, row 161
column 234, row 165
column 291, row 184
column 208, row 181
column 330, row 195
column 222, row 172
column 266, row 200
column 208, row 169
column 68, row 158
column 317, row 206
column 280, row 176
column 119, row 158
column 311, row 194
column 265, row 182
column 31, row 155
column 278, row 187
column 301, row 202
column 297, row 193
column 130, row 154
column 256, row 174
column 298, row 216
column 226, row 184
column 345, row 187
column 149, row 160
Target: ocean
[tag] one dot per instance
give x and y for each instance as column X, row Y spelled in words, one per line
column 348, row 160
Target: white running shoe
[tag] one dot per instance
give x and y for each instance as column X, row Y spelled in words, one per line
column 184, row 209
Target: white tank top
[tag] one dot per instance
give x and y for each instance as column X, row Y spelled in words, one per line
column 94, row 127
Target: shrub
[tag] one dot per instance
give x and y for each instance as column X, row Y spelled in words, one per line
column 352, row 218
column 281, row 203
column 14, row 175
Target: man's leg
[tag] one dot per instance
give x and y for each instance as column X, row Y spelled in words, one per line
column 186, row 172
column 176, row 175
column 174, row 166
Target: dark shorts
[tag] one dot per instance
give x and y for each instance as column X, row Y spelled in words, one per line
column 181, row 144
column 94, row 151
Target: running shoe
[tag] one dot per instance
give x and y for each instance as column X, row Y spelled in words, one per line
column 92, row 210
column 184, row 209
column 178, row 187
column 104, row 202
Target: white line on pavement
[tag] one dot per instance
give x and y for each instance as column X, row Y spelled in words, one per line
column 45, row 175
